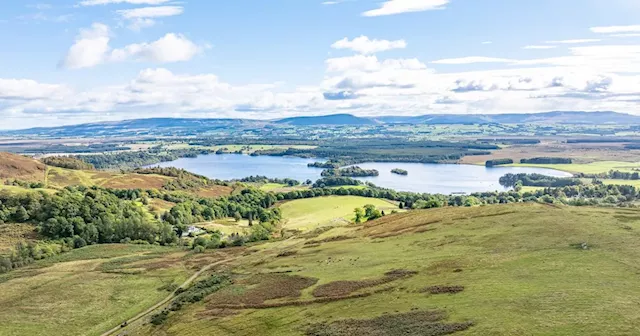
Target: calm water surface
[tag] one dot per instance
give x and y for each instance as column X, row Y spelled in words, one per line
column 429, row 178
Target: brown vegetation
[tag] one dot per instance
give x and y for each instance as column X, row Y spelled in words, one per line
column 19, row 167
column 443, row 289
column 214, row 191
column 257, row 289
column 342, row 288
column 136, row 181
column 426, row 323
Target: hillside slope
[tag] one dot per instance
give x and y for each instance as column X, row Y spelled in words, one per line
column 520, row 269
column 19, row 167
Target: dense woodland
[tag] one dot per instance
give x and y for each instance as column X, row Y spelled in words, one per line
column 138, row 159
column 67, row 162
column 498, row 162
column 547, row 160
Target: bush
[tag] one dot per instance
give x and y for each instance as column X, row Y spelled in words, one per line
column 159, row 318
column 199, row 249
column 79, row 242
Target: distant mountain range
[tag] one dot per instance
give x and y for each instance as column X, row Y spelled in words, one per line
column 334, row 119
column 188, row 126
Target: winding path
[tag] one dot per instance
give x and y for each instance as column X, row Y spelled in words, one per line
column 168, row 298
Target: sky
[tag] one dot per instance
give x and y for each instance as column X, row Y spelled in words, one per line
column 76, row 61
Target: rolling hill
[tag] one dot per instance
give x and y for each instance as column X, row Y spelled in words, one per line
column 334, row 119
column 189, row 126
column 20, row 167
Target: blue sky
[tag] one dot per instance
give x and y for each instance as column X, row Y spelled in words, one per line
column 72, row 61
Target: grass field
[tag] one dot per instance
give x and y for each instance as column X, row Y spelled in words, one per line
column 308, row 214
column 531, row 189
column 227, row 226
column 89, row 290
column 588, row 168
column 508, row 269
column 272, row 186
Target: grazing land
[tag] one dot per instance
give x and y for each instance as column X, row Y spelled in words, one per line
column 88, row 291
column 309, row 214
column 493, row 270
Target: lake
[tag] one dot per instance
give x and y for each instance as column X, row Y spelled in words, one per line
column 426, row 178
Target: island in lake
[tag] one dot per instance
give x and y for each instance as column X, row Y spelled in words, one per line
column 354, row 171
column 399, row 171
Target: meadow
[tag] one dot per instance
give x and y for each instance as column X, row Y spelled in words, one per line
column 309, row 214
column 494, row 270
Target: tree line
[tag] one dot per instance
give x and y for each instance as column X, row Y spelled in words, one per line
column 138, row 158
column 67, row 162
column 498, row 162
column 537, row 180
column 547, row 160
column 612, row 174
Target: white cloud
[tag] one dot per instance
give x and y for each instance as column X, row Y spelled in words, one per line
column 132, row 2
column 487, row 42
column 144, row 17
column 472, row 60
column 576, row 41
column 150, row 12
column 590, row 78
column 25, row 89
column 539, row 47
column 391, row 7
column 92, row 48
column 364, row 45
column 626, row 35
column 168, row 49
column 616, row 29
